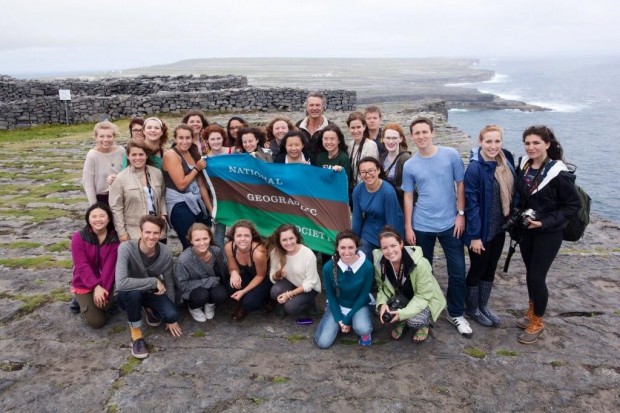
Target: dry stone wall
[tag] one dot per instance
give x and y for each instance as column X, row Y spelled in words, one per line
column 38, row 102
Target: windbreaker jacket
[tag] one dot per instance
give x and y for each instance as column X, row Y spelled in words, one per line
column 478, row 183
column 555, row 199
column 427, row 292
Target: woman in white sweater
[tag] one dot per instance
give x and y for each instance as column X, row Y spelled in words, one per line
column 293, row 271
column 102, row 163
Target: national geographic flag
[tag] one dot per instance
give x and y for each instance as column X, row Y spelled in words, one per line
column 313, row 199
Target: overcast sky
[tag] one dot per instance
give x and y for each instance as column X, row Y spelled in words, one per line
column 39, row 36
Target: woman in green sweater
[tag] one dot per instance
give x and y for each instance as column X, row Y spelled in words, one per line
column 347, row 278
column 408, row 295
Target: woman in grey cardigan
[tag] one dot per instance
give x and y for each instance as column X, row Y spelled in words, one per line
column 198, row 274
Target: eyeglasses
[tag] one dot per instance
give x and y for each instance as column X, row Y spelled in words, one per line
column 136, row 131
column 368, row 172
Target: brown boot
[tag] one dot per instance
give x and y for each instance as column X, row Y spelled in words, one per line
column 524, row 321
column 533, row 331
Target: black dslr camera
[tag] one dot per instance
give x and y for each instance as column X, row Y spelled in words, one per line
column 519, row 218
column 396, row 303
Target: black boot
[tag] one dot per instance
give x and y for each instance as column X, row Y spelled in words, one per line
column 485, row 294
column 472, row 309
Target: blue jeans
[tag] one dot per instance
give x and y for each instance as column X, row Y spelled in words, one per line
column 455, row 260
column 367, row 247
column 181, row 218
column 219, row 234
column 328, row 328
column 133, row 301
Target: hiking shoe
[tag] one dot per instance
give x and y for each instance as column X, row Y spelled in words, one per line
column 138, row 349
column 74, row 306
column 209, row 311
column 461, row 325
column 198, row 315
column 151, row 318
column 366, row 340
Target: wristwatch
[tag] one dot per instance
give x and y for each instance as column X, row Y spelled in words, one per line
column 461, row 212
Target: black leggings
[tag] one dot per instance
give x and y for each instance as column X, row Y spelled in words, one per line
column 201, row 296
column 482, row 266
column 538, row 250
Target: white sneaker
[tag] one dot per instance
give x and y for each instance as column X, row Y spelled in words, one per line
column 209, row 311
column 198, row 315
column 461, row 325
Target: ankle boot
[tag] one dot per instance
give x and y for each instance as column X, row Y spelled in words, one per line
column 533, row 331
column 472, row 309
column 485, row 293
column 524, row 321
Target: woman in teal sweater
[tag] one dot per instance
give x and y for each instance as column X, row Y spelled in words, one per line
column 347, row 278
column 408, row 295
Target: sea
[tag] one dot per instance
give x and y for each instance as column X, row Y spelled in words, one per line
column 584, row 97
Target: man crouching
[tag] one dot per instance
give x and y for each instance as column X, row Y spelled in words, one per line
column 144, row 279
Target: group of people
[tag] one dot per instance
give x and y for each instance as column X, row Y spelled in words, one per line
column 401, row 204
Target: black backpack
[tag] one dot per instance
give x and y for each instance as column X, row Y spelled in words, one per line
column 577, row 223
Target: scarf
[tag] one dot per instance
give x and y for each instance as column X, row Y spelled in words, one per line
column 506, row 181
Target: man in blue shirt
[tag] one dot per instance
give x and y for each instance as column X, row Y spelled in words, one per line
column 439, row 211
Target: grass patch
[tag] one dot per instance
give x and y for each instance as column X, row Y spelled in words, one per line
column 31, row 302
column 118, row 384
column 293, row 338
column 441, row 390
column 507, row 353
column 128, row 367
column 616, row 313
column 59, row 246
column 198, row 334
column 348, row 341
column 557, row 363
column 36, row 263
column 515, row 313
column 36, row 215
column 112, row 409
column 258, row 400
column 44, row 132
column 279, row 379
column 475, row 352
column 60, row 294
column 116, row 330
column 21, row 244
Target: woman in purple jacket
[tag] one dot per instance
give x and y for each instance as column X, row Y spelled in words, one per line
column 94, row 250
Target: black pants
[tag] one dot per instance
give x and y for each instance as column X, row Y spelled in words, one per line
column 201, row 296
column 257, row 297
column 482, row 266
column 538, row 250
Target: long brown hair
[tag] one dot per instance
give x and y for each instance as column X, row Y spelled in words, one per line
column 273, row 243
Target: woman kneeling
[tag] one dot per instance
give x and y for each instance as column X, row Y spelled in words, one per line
column 293, row 271
column 198, row 274
column 348, row 278
column 409, row 295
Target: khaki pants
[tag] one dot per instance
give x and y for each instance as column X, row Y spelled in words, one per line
column 95, row 317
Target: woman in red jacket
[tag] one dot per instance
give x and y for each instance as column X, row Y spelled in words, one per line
column 94, row 250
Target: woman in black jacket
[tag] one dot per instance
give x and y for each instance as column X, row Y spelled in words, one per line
column 544, row 186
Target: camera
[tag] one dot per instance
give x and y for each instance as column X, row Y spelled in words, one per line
column 396, row 303
column 519, row 219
